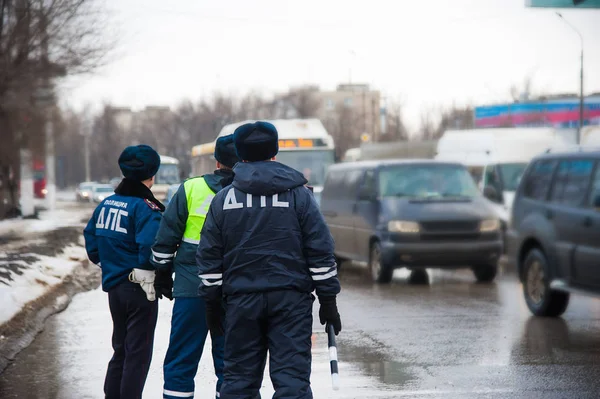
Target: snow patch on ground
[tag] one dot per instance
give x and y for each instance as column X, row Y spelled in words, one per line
column 61, row 196
column 49, row 220
column 36, row 280
column 37, row 254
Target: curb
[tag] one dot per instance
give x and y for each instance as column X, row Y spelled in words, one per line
column 20, row 331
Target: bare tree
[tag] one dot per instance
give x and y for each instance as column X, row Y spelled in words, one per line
column 345, row 128
column 428, row 129
column 108, row 140
column 40, row 40
column 436, row 120
column 525, row 91
column 395, row 127
column 299, row 102
column 70, row 144
column 254, row 106
column 455, row 117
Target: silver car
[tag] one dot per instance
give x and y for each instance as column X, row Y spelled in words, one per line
column 84, row 191
column 101, row 191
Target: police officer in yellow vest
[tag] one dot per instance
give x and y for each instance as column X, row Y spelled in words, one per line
column 175, row 246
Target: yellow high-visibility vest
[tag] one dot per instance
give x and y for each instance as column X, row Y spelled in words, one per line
column 199, row 196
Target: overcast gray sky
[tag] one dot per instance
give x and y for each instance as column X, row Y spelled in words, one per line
column 424, row 52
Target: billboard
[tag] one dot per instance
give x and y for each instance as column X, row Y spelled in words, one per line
column 560, row 114
column 563, row 3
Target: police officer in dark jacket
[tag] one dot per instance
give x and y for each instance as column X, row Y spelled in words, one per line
column 118, row 238
column 264, row 248
column 175, row 248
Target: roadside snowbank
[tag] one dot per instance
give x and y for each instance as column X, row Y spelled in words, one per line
column 38, row 254
column 34, row 280
column 49, row 220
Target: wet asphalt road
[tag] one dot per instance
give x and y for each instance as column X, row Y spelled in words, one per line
column 452, row 338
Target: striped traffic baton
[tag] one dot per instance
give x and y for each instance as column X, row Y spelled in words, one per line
column 333, row 360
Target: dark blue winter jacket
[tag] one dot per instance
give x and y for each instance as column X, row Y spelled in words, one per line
column 170, row 248
column 265, row 232
column 120, row 234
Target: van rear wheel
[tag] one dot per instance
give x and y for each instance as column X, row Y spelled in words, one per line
column 380, row 272
column 540, row 298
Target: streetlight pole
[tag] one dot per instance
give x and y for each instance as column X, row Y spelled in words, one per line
column 580, row 79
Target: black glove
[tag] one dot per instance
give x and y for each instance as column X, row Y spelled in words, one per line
column 215, row 315
column 163, row 283
column 328, row 314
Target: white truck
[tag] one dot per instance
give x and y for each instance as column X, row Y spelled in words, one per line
column 590, row 137
column 497, row 157
column 392, row 150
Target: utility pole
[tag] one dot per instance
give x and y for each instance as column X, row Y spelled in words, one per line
column 26, row 193
column 50, row 161
column 581, row 105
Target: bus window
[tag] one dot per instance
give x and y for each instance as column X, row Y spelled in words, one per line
column 313, row 164
column 167, row 174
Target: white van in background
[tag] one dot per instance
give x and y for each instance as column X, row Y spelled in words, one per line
column 590, row 137
column 498, row 157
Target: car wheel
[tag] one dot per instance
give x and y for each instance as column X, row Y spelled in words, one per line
column 418, row 277
column 485, row 273
column 380, row 272
column 541, row 299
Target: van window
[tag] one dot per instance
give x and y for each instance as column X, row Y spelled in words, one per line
column 369, row 184
column 492, row 179
column 595, row 191
column 351, row 179
column 426, row 181
column 559, row 181
column 538, row 180
column 333, row 183
column 341, row 184
column 476, row 172
column 571, row 182
column 510, row 174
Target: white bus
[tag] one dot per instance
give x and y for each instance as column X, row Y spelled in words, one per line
column 304, row 145
column 203, row 159
column 167, row 174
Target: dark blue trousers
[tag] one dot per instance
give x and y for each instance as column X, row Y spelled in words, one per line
column 134, row 319
column 279, row 322
column 188, row 335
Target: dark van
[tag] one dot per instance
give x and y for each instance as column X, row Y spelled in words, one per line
column 409, row 213
column 554, row 233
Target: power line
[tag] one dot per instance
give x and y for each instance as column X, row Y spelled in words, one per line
column 194, row 14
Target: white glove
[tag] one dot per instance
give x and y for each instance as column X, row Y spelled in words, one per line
column 145, row 278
